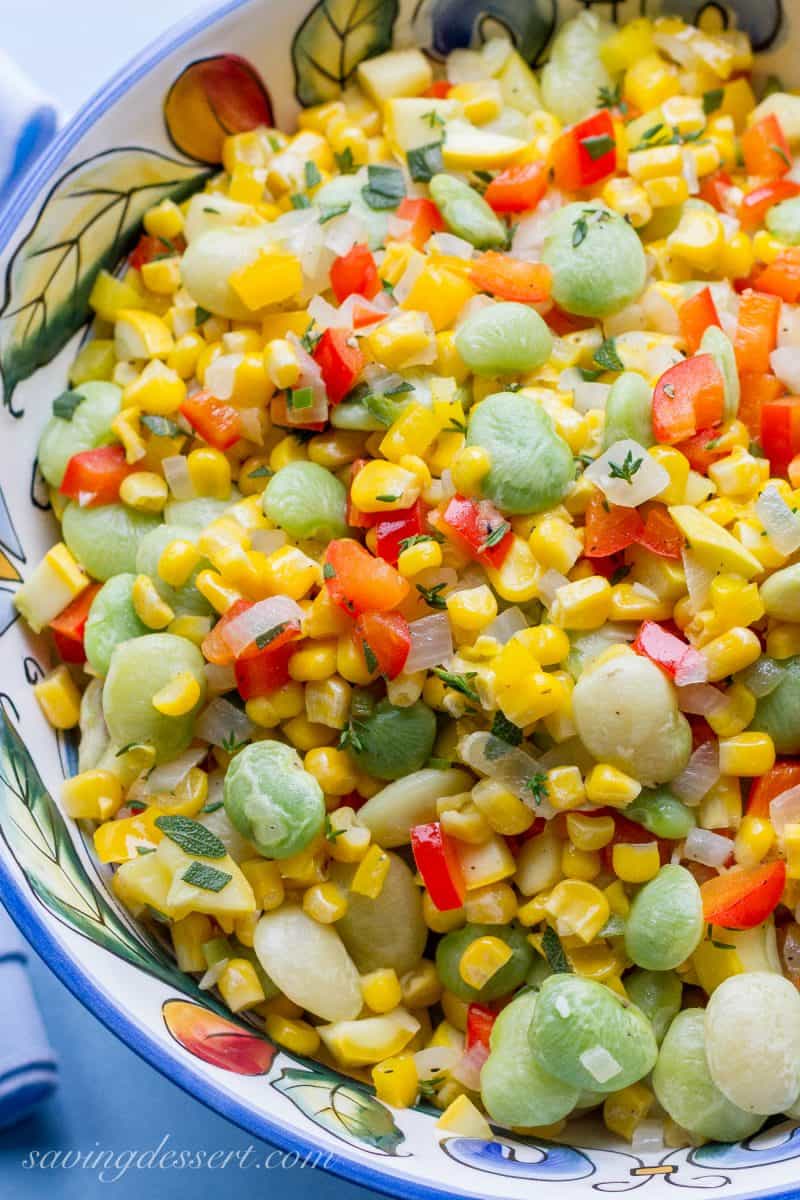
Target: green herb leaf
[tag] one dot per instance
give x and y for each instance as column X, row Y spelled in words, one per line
column 506, row 730
column 433, row 596
column 433, row 118
column 385, row 188
column 261, row 473
column 269, row 635
column 580, row 229
column 611, row 97
column 417, row 539
column 712, row 100
column 142, row 850
column 370, row 657
column 387, row 286
column 537, row 786
column 208, row 878
column 456, row 426
column 621, row 573
column 332, row 834
column 458, row 683
column 299, row 200
column 64, row 405
column 231, row 745
column 607, row 357
column 597, row 145
column 328, row 571
column 160, row 426
column 212, row 806
column 589, row 374
column 495, row 536
column 625, row 470
column 328, row 212
column 201, row 315
column 425, row 161
column 191, row 836
column 311, row 172
column 300, row 398
column 309, row 339
column 344, row 161
column 554, row 952
column 398, row 389
column 387, row 498
column 779, row 150
column 351, row 736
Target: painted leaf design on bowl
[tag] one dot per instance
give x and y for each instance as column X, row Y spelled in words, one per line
column 10, row 549
column 89, row 221
column 341, row 1107
column 334, row 38
column 446, row 25
column 217, row 1040
column 211, row 99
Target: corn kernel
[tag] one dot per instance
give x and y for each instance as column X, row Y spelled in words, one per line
column 624, row 1111
column 325, row 903
column 297, row 1036
column 577, row 908
column 151, row 610
column 177, row 697
column 503, row 811
column 92, row 795
column 265, row 880
column 580, row 864
column 607, row 785
column 419, row 557
column 565, row 788
column 584, row 604
column 333, row 770
column 754, row 840
column 305, row 735
column 732, row 651
column 371, row 873
column 589, row 833
column 164, row 220
column 313, row 662
column 495, row 904
column 482, row 959
column 348, row 840
column 466, row 824
column 210, row 473
column 748, row 754
column 468, row 468
column 145, row 491
column 736, row 714
column 381, row 990
column 636, row 863
column 698, row 238
column 667, row 191
column 629, row 199
column 791, row 847
column 59, row 698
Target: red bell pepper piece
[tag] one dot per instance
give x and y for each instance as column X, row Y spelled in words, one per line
column 702, row 450
column 216, row 422
column 756, row 391
column 780, row 430
column 714, row 190
column 355, row 272
column 756, row 203
column 358, row 582
column 586, row 153
column 667, row 651
column 510, row 278
column 439, row 89
column 744, row 897
column 340, row 360
column 392, row 528
column 93, row 477
column 149, row 248
column 259, row 672
column 765, row 149
column 69, row 626
column 688, row 397
column 609, row 528
column 518, row 188
column 660, row 534
column 480, row 1020
column 782, row 278
column 214, row 646
column 480, row 528
column 424, row 218
column 783, row 776
column 756, row 331
column 384, row 640
column 695, row 316
column 438, row 864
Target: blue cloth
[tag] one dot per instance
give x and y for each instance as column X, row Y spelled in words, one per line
column 28, row 1068
column 28, row 120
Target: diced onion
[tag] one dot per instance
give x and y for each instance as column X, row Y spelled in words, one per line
column 785, row 810
column 221, row 374
column 530, row 232
column 489, row 755
column 588, row 395
column 343, row 232
column 213, row 975
column 692, row 669
column 762, row 677
column 785, row 362
column 729, row 224
column 465, row 66
column 219, row 679
column 600, row 1063
column 700, row 699
column 167, row 777
column 699, row 775
column 448, row 243
column 398, row 227
column 503, row 627
column 258, row 619
column 648, row 478
column 467, row 1070
column 252, row 428
column 431, row 643
column 310, row 377
column 659, row 313
column 781, row 524
column 176, row 473
column 698, row 579
column 549, row 584
column 648, row 1136
column 474, row 305
column 220, row 722
column 435, row 1061
column 689, row 172
column 402, row 289
column 703, row 846
column 267, row 541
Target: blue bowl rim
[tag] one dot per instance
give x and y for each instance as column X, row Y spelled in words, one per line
column 22, row 910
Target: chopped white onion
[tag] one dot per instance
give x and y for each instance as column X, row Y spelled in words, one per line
column 176, row 473
column 243, row 630
column 785, row 810
column 343, row 232
column 448, row 243
column 789, row 325
column 464, row 66
column 530, row 232
column 213, row 975
column 648, row 1136
column 588, row 395
column 435, row 1061
column 219, row 679
column 489, row 755
column 398, row 227
column 267, row 541
column 474, row 305
column 431, row 643
column 700, row 699
column 402, row 289
column 504, row 626
column 647, row 477
column 167, row 777
column 762, row 677
column 692, row 669
column 221, row 722
column 785, row 362
column 221, row 374
column 252, row 429
column 781, row 524
column 467, row 1070
column 646, row 593
column 549, row 584
column 699, row 578
column 660, row 314
column 689, row 172
column 600, row 1063
column 699, row 775
column 730, row 225
column 703, row 846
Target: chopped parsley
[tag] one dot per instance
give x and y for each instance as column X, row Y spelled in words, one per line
column 269, row 635
column 495, row 536
column 607, row 357
column 506, row 730
column 456, row 426
column 387, row 498
column 332, row 834
column 328, row 571
column 418, row 539
column 458, row 683
column 201, row 315
column 580, row 230
column 328, row 212
column 312, row 175
column 344, row 161
column 351, row 736
column 232, row 745
column 300, row 397
column 370, row 657
column 64, row 405
column 712, row 100
column 159, row 426
column 433, row 596
column 537, row 786
column 598, row 145
column 622, row 572
column 554, row 952
column 425, row 161
column 611, row 97
column 433, row 118
column 299, row 200
column 626, row 469
column 309, row 340
column 385, row 187
column 212, row 806
column 261, row 473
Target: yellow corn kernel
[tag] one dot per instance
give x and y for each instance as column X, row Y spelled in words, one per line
column 164, row 220
column 783, row 641
column 753, row 841
column 154, row 612
column 747, row 754
column 466, row 824
column 737, row 713
column 292, row 573
column 419, row 557
column 472, row 609
column 628, row 198
column 314, row 661
column 144, row 490
column 157, row 390
column 698, row 238
column 732, row 651
column 503, row 811
column 349, row 841
column 495, row 904
column 624, row 1111
column 677, row 467
column 565, row 788
column 324, row 618
column 396, row 1081
column 469, row 466
column 401, row 339
column 556, row 544
column 92, row 795
column 548, row 644
column 305, row 736
column 735, row 601
column 126, row 427
column 530, row 697
column 607, row 785
column 350, row 661
column 420, row 987
column 721, row 807
column 617, row 898
column 517, row 579
column 736, row 259
column 371, row 873
column 333, row 770
column 655, row 163
column 650, row 80
column 210, row 584
column 265, row 880
column 635, row 863
column 177, row 697
column 666, row 191
column 337, row 448
column 327, row 702
column 297, row 1036
column 482, row 959
column 462, row 1117
column 273, row 277
column 210, row 473
column 577, row 908
column 59, row 698
column 534, row 912
column 382, row 486
column 189, row 796
column 739, row 474
column 188, row 935
column 629, row 603
column 583, row 604
column 162, row 275
column 766, row 248
column 381, row 990
column 412, row 433
column 177, row 561
column 580, row 864
column 289, row 449
column 281, row 364
column 325, row 903
column 791, row 847
column 589, row 833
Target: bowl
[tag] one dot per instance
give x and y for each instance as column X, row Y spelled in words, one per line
column 156, row 130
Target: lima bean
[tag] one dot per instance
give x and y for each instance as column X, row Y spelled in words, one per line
column 599, row 273
column 199, row 512
column 683, row 1085
column 105, row 539
column 138, row 669
column 783, row 221
column 661, row 813
column 504, row 339
column 392, row 742
column 272, row 800
column 658, row 994
column 629, row 411
column 752, row 1030
column 719, row 346
column 780, row 593
column 390, row 813
column 388, row 931
column 94, row 734
column 778, row 714
column 185, row 600
column 89, row 428
column 626, row 714
column 211, row 258
column 466, row 214
column 532, row 467
column 503, row 982
column 515, row 1089
column 665, row 924
column 307, row 501
column 575, row 71
column 309, row 963
column 112, row 619
column 588, row 1036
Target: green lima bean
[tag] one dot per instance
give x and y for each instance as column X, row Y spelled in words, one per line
column 89, row 428
column 532, row 467
column 504, row 338
column 307, row 501
column 112, row 619
column 778, row 714
column 596, row 257
column 629, row 411
column 665, row 924
column 272, row 800
column 503, row 982
column 105, row 540
column 466, row 214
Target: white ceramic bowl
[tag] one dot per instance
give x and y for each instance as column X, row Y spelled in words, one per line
column 78, row 210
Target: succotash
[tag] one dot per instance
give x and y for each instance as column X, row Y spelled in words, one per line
column 429, row 595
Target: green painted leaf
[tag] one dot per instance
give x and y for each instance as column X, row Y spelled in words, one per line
column 88, row 222
column 342, row 1108
column 334, row 38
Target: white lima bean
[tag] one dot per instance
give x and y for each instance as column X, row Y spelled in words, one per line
column 752, row 1028
column 391, row 812
column 309, row 963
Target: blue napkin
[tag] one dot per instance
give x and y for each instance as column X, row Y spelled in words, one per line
column 28, row 1067
column 28, row 120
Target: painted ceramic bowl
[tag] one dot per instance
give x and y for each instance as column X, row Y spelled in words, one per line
column 154, row 131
